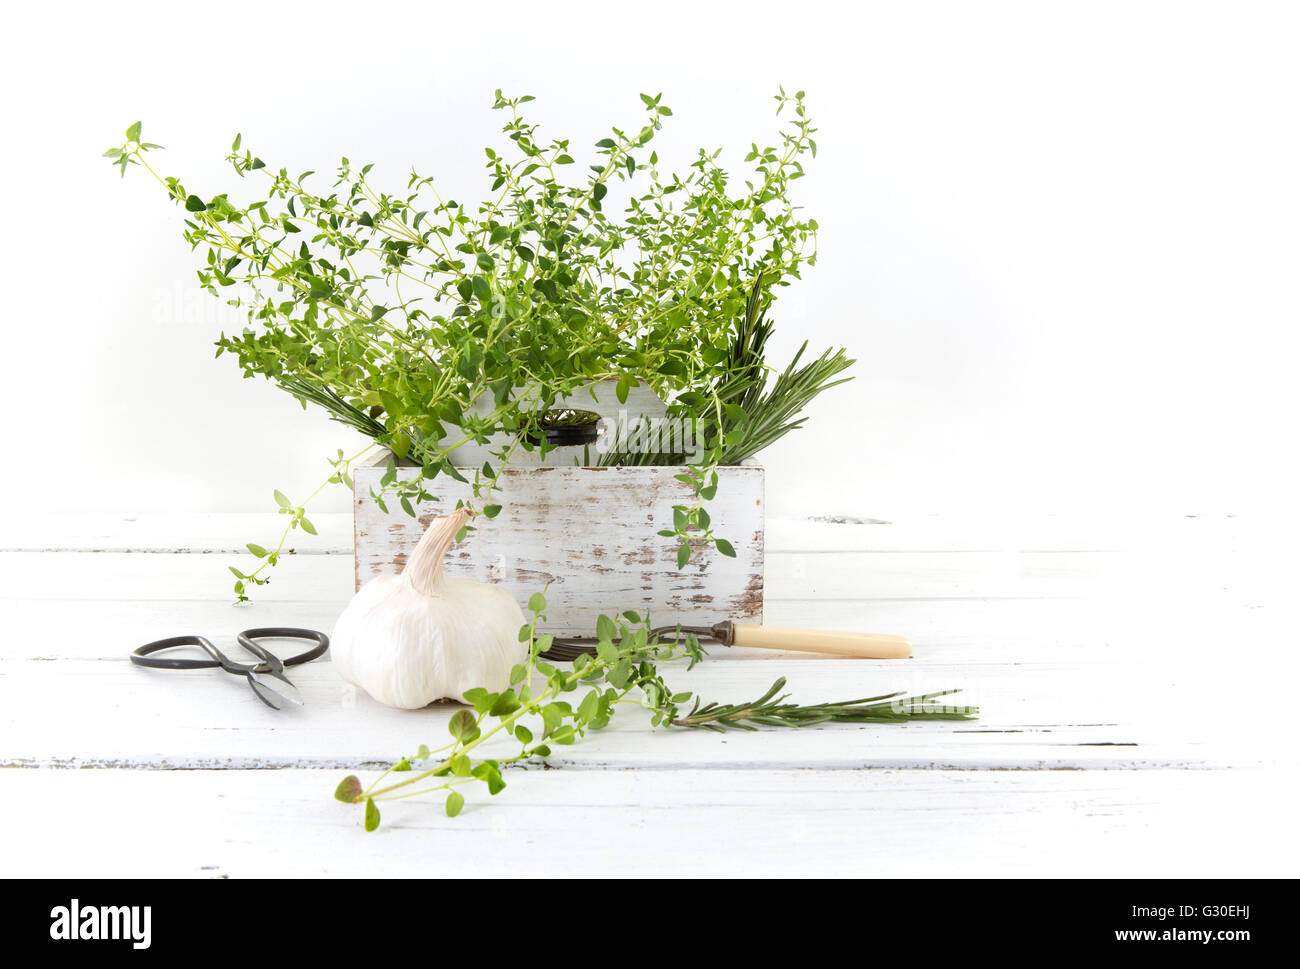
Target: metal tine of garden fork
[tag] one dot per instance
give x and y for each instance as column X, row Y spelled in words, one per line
column 565, row 650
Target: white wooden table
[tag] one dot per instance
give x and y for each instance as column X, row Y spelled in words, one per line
column 1134, row 678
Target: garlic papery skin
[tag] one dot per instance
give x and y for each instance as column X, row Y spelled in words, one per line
column 421, row 636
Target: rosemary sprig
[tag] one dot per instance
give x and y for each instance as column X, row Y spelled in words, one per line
column 753, row 418
column 771, row 710
column 741, row 415
column 337, row 408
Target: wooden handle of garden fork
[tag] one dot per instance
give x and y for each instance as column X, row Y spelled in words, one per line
column 854, row 645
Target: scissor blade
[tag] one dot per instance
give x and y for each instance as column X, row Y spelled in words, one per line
column 269, row 697
column 276, row 684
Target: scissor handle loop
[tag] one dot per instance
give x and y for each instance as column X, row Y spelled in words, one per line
column 142, row 657
column 247, row 637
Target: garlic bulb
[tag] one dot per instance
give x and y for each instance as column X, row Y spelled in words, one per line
column 421, row 636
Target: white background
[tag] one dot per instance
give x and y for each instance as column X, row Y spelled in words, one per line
column 1061, row 239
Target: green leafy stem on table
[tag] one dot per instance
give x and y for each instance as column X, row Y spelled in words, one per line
column 624, row 670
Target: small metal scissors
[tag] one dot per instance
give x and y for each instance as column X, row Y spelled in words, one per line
column 266, row 677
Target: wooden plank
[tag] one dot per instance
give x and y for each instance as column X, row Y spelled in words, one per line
column 693, row 823
column 589, row 536
column 170, row 533
column 109, row 713
column 1124, row 529
column 947, row 630
column 953, row 631
column 1243, row 577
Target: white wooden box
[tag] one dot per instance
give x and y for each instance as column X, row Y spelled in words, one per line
column 591, row 533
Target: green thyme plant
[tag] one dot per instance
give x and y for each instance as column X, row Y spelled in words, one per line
column 396, row 311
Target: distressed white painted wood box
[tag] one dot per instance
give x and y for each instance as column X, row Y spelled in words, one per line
column 590, row 533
